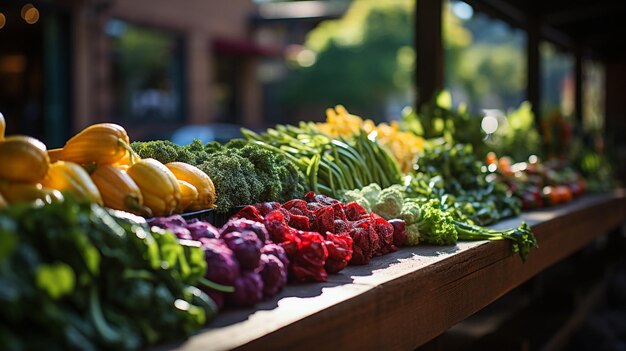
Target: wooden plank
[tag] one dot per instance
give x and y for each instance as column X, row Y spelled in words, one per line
column 404, row 299
column 428, row 50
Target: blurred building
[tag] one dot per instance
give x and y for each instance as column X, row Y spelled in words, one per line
column 287, row 25
column 152, row 65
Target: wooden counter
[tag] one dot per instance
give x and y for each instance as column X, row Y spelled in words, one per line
column 404, row 299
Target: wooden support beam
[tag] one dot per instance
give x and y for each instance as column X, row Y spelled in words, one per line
column 428, row 49
column 533, row 90
column 578, row 86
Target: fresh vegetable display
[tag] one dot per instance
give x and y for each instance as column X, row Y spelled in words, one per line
column 97, row 165
column 322, row 235
column 71, row 178
column 538, row 184
column 404, row 146
column 239, row 255
column 453, row 175
column 24, row 159
column 331, row 165
column 428, row 221
column 241, row 172
column 118, row 190
column 103, row 246
column 77, row 276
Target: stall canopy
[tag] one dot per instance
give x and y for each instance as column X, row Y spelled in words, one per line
column 591, row 26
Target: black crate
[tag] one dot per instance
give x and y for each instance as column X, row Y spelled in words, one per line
column 218, row 219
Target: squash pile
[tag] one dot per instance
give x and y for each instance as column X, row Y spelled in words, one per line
column 117, row 178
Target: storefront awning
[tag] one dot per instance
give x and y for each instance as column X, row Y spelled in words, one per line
column 243, row 47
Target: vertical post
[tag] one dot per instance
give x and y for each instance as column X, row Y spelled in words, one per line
column 198, row 77
column 428, row 49
column 533, row 90
column 56, row 83
column 83, row 67
column 251, row 94
column 578, row 87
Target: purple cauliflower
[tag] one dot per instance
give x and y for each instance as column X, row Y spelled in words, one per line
column 167, row 222
column 180, row 232
column 222, row 267
column 274, row 275
column 199, row 229
column 248, row 290
column 176, row 224
column 241, row 224
column 246, row 246
column 276, row 251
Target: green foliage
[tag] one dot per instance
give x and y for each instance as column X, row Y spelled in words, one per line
column 362, row 59
column 439, row 120
column 436, row 226
column 80, row 277
column 487, row 64
column 517, row 136
column 453, row 175
column 521, row 238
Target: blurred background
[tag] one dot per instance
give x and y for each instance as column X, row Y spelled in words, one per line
column 204, row 68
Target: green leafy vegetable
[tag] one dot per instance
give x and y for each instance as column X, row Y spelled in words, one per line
column 78, row 276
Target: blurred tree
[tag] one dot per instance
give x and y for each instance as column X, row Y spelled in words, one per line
column 485, row 60
column 365, row 61
column 361, row 60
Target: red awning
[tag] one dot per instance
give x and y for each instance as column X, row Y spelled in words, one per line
column 239, row 47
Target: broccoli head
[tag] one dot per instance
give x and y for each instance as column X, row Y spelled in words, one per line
column 235, row 180
column 265, row 167
column 163, row 151
column 371, row 192
column 213, row 147
column 292, row 179
column 357, row 196
column 410, row 212
column 389, row 202
column 237, row 143
column 166, row 151
column 412, row 234
column 197, row 149
column 436, row 226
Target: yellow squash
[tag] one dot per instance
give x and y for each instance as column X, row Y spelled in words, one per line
column 122, row 167
column 72, row 178
column 127, row 160
column 22, row 192
column 24, row 159
column 158, row 185
column 2, row 126
column 188, row 194
column 103, row 143
column 118, row 190
column 194, row 176
column 54, row 155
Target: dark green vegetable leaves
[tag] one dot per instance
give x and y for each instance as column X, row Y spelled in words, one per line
column 77, row 276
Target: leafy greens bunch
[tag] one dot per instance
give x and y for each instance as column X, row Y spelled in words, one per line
column 77, row 276
column 428, row 221
column 453, row 175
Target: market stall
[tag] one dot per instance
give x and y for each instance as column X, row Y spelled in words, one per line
column 345, row 232
column 406, row 298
